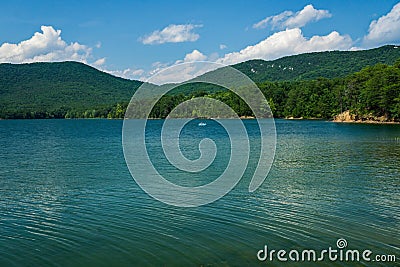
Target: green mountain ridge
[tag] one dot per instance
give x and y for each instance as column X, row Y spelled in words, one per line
column 329, row 64
column 307, row 66
column 48, row 87
column 72, row 89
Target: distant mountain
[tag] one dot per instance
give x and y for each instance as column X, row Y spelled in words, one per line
column 72, row 89
column 331, row 64
column 309, row 66
column 46, row 87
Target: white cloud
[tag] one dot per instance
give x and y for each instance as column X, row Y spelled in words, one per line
column 384, row 30
column 157, row 66
column 273, row 20
column 290, row 20
column 192, row 65
column 99, row 62
column 288, row 42
column 137, row 72
column 222, row 46
column 283, row 43
column 132, row 74
column 196, row 55
column 182, row 72
column 193, row 56
column 172, row 34
column 44, row 46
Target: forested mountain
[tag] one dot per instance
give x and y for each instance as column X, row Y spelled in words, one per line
column 368, row 94
column 330, row 64
column 39, row 88
column 318, row 85
column 309, row 66
column 372, row 92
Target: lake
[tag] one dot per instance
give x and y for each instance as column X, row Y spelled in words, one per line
column 67, row 197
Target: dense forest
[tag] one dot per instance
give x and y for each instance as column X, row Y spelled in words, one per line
column 309, row 66
column 75, row 90
column 47, row 90
column 374, row 91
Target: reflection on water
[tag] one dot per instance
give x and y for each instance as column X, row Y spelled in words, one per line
column 67, row 197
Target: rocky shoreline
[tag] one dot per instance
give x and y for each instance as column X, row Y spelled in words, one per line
column 348, row 117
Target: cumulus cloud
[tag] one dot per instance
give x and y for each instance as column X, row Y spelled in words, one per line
column 131, row 74
column 283, row 43
column 172, row 34
column 195, row 55
column 43, row 47
column 384, row 30
column 158, row 66
column 290, row 20
column 274, row 21
column 288, row 42
column 99, row 62
column 182, row 72
column 192, row 65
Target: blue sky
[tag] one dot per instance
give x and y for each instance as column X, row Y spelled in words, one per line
column 127, row 39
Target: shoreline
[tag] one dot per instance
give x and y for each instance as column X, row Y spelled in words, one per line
column 376, row 122
column 367, row 122
column 348, row 117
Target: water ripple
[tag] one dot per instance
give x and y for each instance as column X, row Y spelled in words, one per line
column 67, row 199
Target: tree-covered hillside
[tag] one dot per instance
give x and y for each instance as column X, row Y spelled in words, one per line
column 331, row 64
column 41, row 88
column 315, row 85
column 370, row 93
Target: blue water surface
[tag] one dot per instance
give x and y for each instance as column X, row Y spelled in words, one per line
column 67, row 197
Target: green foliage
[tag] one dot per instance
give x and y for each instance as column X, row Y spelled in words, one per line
column 374, row 91
column 331, row 64
column 54, row 90
column 75, row 90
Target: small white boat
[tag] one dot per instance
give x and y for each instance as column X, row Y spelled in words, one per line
column 202, row 124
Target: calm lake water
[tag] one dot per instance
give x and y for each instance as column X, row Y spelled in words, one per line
column 67, row 197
